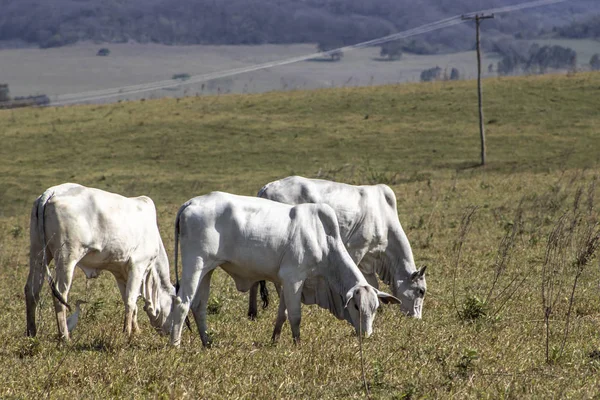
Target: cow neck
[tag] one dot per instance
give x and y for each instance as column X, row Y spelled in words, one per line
column 162, row 268
column 396, row 262
column 343, row 274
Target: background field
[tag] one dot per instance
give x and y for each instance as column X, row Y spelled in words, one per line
column 422, row 140
column 75, row 69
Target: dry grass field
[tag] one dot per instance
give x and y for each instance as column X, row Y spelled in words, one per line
column 483, row 232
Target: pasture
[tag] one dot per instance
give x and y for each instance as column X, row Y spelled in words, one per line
column 480, row 336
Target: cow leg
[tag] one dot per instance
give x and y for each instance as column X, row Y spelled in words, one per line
column 292, row 295
column 65, row 267
column 123, row 289
column 35, row 280
column 192, row 271
column 281, row 316
column 252, row 309
column 199, row 307
column 132, row 292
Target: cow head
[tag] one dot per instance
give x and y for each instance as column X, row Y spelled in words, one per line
column 411, row 290
column 157, row 302
column 362, row 302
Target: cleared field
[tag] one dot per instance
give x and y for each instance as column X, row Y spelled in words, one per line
column 75, row 69
column 422, row 140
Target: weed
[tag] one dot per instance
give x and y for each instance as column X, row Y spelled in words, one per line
column 16, row 231
column 30, row 348
column 214, row 306
column 466, row 363
column 409, row 391
column 378, row 374
column 473, row 309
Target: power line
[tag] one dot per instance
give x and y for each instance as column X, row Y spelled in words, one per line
column 134, row 89
column 164, row 84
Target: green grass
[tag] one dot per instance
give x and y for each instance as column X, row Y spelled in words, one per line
column 543, row 142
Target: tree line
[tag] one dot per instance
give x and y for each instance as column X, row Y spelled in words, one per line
column 588, row 28
column 60, row 22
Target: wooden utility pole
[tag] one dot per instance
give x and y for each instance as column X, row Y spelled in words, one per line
column 478, row 18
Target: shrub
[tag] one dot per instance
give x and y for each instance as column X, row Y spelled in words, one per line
column 183, row 77
column 431, row 74
column 454, row 74
column 595, row 62
column 391, row 50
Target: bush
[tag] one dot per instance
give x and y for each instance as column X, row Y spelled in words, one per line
column 595, row 62
column 431, row 74
column 473, row 309
column 454, row 74
column 183, row 77
column 103, row 52
column 4, row 92
column 328, row 46
column 391, row 50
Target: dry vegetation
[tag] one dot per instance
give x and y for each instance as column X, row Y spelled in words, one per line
column 483, row 334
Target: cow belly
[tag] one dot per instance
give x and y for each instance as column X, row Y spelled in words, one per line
column 245, row 277
column 90, row 273
column 95, row 262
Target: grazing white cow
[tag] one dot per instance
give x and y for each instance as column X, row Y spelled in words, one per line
column 97, row 230
column 252, row 239
column 370, row 229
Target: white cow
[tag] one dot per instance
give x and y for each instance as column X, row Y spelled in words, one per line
column 252, row 239
column 97, row 230
column 370, row 229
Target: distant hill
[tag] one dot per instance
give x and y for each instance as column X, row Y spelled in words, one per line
column 52, row 23
column 587, row 28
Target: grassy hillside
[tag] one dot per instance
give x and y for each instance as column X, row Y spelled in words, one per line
column 422, row 140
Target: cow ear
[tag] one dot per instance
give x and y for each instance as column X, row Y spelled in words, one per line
column 349, row 296
column 418, row 274
column 387, row 298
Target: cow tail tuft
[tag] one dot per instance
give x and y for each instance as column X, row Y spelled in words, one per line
column 264, row 294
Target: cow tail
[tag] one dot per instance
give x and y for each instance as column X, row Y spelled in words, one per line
column 41, row 209
column 177, row 284
column 264, row 294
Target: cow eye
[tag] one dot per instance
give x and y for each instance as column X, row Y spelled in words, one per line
column 422, row 292
column 356, row 307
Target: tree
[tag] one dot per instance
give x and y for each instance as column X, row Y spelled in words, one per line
column 182, row 77
column 595, row 62
column 103, row 52
column 507, row 65
column 4, row 92
column 550, row 57
column 431, row 74
column 454, row 74
column 391, row 50
column 330, row 47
